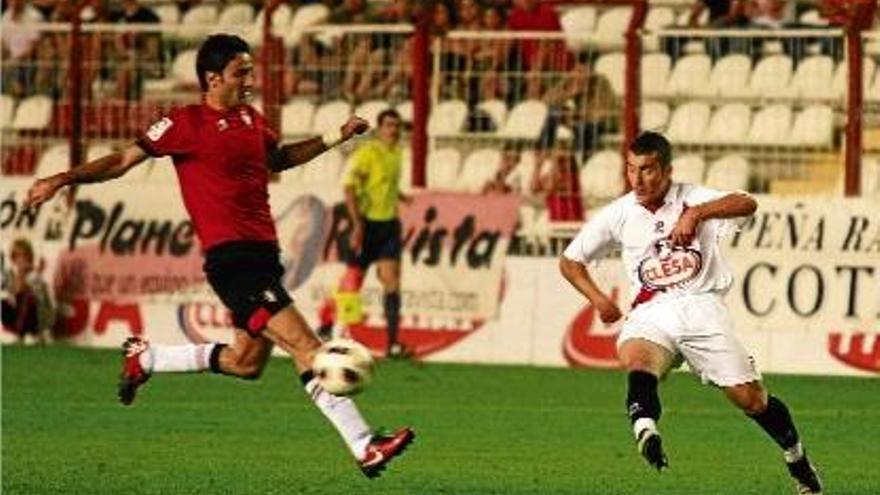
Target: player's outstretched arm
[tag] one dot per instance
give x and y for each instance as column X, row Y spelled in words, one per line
column 293, row 154
column 103, row 169
column 579, row 277
column 733, row 205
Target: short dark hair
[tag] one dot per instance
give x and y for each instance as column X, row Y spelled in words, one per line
column 653, row 143
column 216, row 53
column 387, row 113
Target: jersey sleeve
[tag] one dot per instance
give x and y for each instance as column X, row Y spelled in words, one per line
column 357, row 168
column 170, row 135
column 595, row 238
column 723, row 227
column 271, row 139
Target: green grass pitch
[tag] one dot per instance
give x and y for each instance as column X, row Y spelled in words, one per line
column 481, row 430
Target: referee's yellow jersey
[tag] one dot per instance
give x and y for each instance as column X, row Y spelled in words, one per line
column 374, row 174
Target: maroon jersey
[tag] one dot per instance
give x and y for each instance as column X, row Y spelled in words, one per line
column 220, row 159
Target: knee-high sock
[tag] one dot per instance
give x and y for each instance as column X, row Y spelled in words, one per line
column 391, row 302
column 177, row 358
column 776, row 421
column 342, row 413
column 642, row 401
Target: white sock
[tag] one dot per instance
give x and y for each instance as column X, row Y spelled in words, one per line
column 176, row 358
column 643, row 424
column 794, row 453
column 344, row 414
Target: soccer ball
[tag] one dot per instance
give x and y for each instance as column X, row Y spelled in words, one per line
column 343, row 367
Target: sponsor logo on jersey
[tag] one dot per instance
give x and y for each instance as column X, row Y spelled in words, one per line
column 668, row 266
column 159, row 128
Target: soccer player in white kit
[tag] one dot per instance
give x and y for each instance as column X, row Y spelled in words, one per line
column 669, row 237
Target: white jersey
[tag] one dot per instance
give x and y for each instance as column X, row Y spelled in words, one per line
column 652, row 263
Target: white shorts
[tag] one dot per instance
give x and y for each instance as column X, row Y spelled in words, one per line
column 698, row 328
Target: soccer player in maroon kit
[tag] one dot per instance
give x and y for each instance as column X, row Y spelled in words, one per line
column 223, row 152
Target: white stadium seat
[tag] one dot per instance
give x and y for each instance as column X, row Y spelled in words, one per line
column 96, row 151
column 200, row 18
column 325, row 170
column 576, row 23
column 54, row 160
column 168, row 13
column 162, row 171
column 610, row 26
column 839, row 81
column 612, row 65
column 655, row 74
column 330, row 115
column 478, row 167
column 447, row 118
column 33, row 113
column 659, row 18
column 689, row 169
column 873, row 93
column 405, row 109
column 729, row 76
column 7, row 109
column 728, row 173
column 689, row 122
column 525, row 120
column 236, row 15
column 296, row 117
column 496, row 109
column 370, row 110
column 602, row 176
column 303, row 17
column 690, row 73
column 183, row 68
column 812, row 78
column 443, row 168
column 771, row 77
column 729, row 124
column 814, row 126
column 812, row 18
column 771, row 125
column 654, row 116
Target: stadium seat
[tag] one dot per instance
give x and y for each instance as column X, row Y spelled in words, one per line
column 296, row 117
column 839, row 81
column 771, row 77
column 610, row 26
column 7, row 109
column 577, row 23
column 525, row 120
column 873, row 93
column 813, row 126
column 330, row 115
column 689, row 169
column 611, row 65
column 54, row 160
column 812, row 18
column 168, row 13
column 690, row 73
column 443, row 168
column 236, row 15
column 602, row 176
column 657, row 19
column 729, row 76
column 200, row 16
column 478, row 167
column 405, row 109
column 280, row 18
column 183, row 69
column 303, row 17
column 654, row 116
column 447, row 118
column 730, row 172
column 729, row 124
column 688, row 123
column 161, row 171
column 655, row 74
column 771, row 125
column 325, row 170
column 370, row 110
column 496, row 109
column 33, row 113
column 812, row 79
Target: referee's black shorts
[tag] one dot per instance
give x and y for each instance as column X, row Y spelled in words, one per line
column 246, row 275
column 382, row 241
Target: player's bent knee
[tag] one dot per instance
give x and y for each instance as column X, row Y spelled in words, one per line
column 248, row 371
column 751, row 399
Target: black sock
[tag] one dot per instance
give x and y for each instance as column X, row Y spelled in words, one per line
column 391, row 302
column 777, row 422
column 214, row 359
column 642, row 400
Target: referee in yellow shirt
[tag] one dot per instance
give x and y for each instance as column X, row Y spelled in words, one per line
column 372, row 196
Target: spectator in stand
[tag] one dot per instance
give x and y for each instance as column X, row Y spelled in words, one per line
column 767, row 14
column 27, row 308
column 139, row 54
column 584, row 102
column 538, row 57
column 45, row 7
column 556, row 177
column 722, row 13
column 507, row 178
column 20, row 41
column 492, row 55
column 352, row 12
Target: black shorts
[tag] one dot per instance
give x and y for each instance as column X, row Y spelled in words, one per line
column 246, row 275
column 382, row 241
